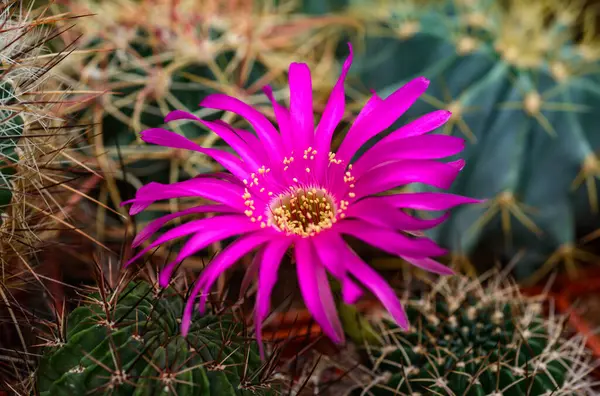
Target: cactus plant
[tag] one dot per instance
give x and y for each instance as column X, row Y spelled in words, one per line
column 36, row 167
column 36, row 163
column 478, row 337
column 127, row 341
column 521, row 81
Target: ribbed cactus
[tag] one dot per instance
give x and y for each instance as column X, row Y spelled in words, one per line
column 128, row 342
column 522, row 84
column 474, row 338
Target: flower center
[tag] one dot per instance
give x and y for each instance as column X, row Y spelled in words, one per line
column 303, row 211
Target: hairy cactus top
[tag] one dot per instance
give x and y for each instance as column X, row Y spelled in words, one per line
column 35, row 164
column 128, row 342
column 475, row 339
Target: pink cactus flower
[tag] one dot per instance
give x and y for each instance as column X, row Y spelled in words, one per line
column 285, row 190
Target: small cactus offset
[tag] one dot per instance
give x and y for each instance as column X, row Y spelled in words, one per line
column 521, row 81
column 128, row 342
column 470, row 337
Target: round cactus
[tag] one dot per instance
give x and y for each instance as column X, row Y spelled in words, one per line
column 470, row 339
column 128, row 342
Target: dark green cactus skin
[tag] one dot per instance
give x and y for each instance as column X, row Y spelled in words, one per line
column 533, row 157
column 141, row 338
column 475, row 349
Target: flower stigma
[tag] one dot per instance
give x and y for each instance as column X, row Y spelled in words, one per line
column 303, row 211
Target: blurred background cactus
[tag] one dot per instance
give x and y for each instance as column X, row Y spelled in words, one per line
column 521, row 79
column 477, row 337
column 127, row 341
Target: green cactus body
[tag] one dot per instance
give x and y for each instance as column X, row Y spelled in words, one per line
column 522, row 93
column 471, row 340
column 137, row 349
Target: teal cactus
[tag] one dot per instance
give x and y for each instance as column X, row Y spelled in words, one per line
column 521, row 79
column 477, row 337
column 128, row 342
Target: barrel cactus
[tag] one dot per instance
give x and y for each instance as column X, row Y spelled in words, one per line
column 128, row 342
column 470, row 337
column 521, row 81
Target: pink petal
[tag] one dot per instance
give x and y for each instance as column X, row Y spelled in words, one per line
column 378, row 286
column 251, row 273
column 264, row 129
column 271, row 259
column 429, row 265
column 316, row 291
column 422, row 125
column 166, row 138
column 325, row 245
column 301, row 106
column 334, row 173
column 233, row 222
column 351, row 292
column 228, row 257
column 155, row 225
column 376, row 211
column 419, row 147
column 283, row 120
column 333, row 113
column 204, row 239
column 458, row 164
column 373, row 102
column 176, row 115
column 201, row 187
column 397, row 174
column 428, row 200
column 252, row 141
column 381, row 117
column 389, row 241
column 243, row 246
column 227, row 133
